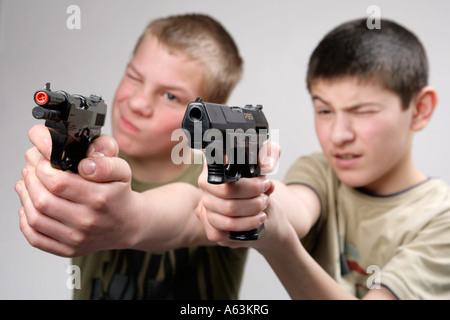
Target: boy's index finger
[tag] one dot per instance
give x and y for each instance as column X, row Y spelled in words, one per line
column 39, row 136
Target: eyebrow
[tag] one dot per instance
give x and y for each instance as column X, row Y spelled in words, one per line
column 349, row 108
column 134, row 69
column 314, row 97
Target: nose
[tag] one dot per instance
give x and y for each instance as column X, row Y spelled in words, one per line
column 341, row 131
column 141, row 103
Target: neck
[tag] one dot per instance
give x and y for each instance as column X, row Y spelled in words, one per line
column 402, row 176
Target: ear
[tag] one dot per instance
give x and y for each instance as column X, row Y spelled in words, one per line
column 423, row 105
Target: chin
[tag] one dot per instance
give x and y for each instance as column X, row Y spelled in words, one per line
column 353, row 180
column 125, row 145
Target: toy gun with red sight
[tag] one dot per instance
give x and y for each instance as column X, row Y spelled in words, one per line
column 74, row 121
column 232, row 133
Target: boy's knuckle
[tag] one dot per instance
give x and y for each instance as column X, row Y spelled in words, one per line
column 214, row 236
column 33, row 221
column 40, row 203
column 34, row 242
column 88, row 223
column 100, row 202
column 76, row 238
column 57, row 186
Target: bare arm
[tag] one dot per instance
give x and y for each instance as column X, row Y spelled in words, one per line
column 71, row 215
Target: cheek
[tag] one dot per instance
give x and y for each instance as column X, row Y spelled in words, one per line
column 123, row 91
column 171, row 121
column 121, row 94
column 383, row 137
column 115, row 115
column 323, row 133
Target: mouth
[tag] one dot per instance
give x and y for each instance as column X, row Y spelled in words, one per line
column 128, row 125
column 346, row 156
column 346, row 160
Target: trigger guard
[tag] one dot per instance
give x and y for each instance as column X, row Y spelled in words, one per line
column 58, row 143
column 232, row 172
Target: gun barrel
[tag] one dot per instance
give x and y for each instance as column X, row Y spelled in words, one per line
column 49, row 98
column 195, row 113
column 46, row 114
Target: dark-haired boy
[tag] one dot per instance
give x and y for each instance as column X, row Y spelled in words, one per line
column 367, row 217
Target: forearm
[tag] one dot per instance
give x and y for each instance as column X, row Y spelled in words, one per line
column 292, row 212
column 300, row 274
column 297, row 203
column 167, row 218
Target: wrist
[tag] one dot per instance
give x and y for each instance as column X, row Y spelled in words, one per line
column 133, row 233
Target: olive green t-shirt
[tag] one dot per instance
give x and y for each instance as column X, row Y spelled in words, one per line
column 186, row 273
column 400, row 241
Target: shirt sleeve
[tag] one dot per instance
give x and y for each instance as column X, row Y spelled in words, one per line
column 420, row 269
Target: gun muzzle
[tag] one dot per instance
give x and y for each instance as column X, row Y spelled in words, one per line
column 49, row 98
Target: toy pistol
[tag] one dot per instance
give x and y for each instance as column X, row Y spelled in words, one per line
column 232, row 133
column 74, row 121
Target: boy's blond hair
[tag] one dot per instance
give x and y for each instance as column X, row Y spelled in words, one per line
column 202, row 39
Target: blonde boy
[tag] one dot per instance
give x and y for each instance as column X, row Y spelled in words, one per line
column 145, row 243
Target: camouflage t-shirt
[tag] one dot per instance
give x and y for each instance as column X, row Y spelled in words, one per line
column 204, row 272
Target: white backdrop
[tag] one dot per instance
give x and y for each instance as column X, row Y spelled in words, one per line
column 275, row 39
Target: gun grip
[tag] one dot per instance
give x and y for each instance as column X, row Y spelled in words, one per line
column 216, row 173
column 249, row 235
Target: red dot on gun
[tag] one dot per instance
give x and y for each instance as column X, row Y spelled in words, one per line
column 41, row 97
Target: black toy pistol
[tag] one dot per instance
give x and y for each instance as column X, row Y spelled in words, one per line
column 231, row 138
column 74, row 121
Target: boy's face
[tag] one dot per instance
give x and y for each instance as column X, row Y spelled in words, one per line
column 364, row 133
column 151, row 100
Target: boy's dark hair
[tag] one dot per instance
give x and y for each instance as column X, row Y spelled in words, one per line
column 391, row 56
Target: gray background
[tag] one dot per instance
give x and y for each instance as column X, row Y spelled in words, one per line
column 275, row 39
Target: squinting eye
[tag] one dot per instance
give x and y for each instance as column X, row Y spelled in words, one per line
column 366, row 110
column 323, row 111
column 133, row 77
